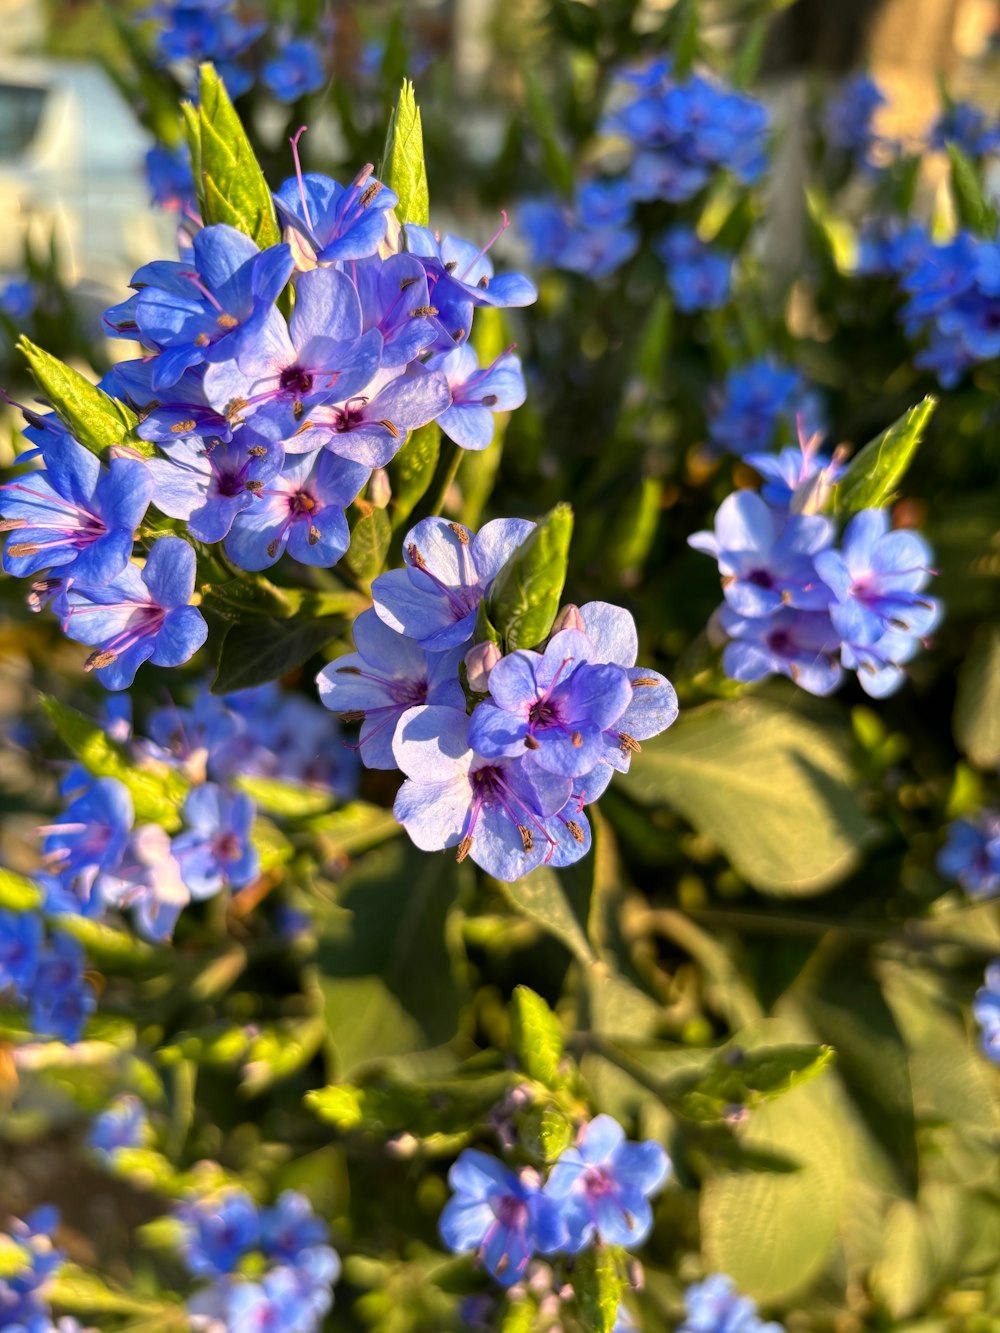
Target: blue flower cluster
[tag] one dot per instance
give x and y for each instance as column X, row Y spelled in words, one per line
column 97, row 858
column 23, row 1307
column 681, row 133
column 971, row 856
column 757, row 404
column 45, row 974
column 298, row 1267
column 951, row 289
column 597, row 1192
column 189, row 32
column 266, row 428
column 967, row 127
column 848, row 118
column 715, row 1306
column 171, row 184
column 796, row 605
column 507, row 785
column 986, row 1012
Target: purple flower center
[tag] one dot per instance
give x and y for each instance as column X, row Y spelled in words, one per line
column 349, row 416
column 597, row 1181
column 760, row 578
column 231, row 483
column 227, row 847
column 296, row 380
column 301, row 504
column 781, row 642
column 511, row 1211
column 543, row 714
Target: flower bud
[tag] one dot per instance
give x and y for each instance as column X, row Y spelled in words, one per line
column 568, row 618
column 379, row 489
column 479, row 662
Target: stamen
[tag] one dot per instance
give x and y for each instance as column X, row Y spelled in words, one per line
column 464, row 847
column 100, row 658
column 577, row 740
column 407, row 282
column 254, row 487
column 227, row 321
column 12, row 524
column 255, row 450
column 644, row 680
column 530, row 743
column 423, row 311
column 393, row 430
column 460, row 532
column 370, row 194
column 575, row 830
column 527, row 837
column 294, row 141
column 17, row 549
column 491, row 242
column 414, row 554
column 314, row 535
column 272, row 547
column 490, row 400
column 628, row 744
column 182, row 427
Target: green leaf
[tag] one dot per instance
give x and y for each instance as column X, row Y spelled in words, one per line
column 770, row 788
column 371, row 538
column 600, row 1280
column 251, row 597
column 291, row 799
column 267, row 650
column 772, row 1231
column 94, row 420
column 403, row 169
column 536, row 1036
column 875, row 472
column 971, row 202
column 745, row 1078
column 17, row 892
column 412, row 470
column 558, row 165
column 157, row 792
column 545, row 1132
column 383, row 960
column 976, row 723
column 836, row 236
column 229, row 182
column 354, row 828
column 80, row 1292
column 524, row 598
column 114, row 951
column 388, row 1106
column 542, row 896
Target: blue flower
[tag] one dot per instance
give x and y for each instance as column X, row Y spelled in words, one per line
column 371, row 428
column 149, row 881
column 965, row 126
column 219, row 1229
column 699, row 275
column 209, row 485
column 476, row 393
column 506, row 1218
column 61, row 999
column 124, row 1124
column 714, row 1306
column 602, row 1186
column 282, row 371
column 91, row 834
column 971, row 855
column 766, row 564
column 139, row 617
column 754, row 402
column 216, row 850
column 848, row 117
column 22, row 1306
column 21, row 939
column 290, row 1226
column 18, row 299
column 171, row 185
column 801, row 645
column 171, row 415
column 986, row 1011
column 387, row 675
column 448, row 573
column 195, row 312
column 551, row 708
column 75, row 516
column 879, row 609
column 493, row 810
column 300, row 510
column 461, row 277
column 297, row 71
column 395, row 300
column 798, row 480
column 337, row 222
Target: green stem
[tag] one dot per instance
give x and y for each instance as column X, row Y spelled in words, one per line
column 444, row 476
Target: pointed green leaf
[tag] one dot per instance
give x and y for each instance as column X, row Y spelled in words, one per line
column 772, row 789
column 525, row 595
column 157, row 792
column 600, row 1280
column 412, row 470
column 403, row 168
column 18, row 893
column 977, row 705
column 251, row 597
column 82, row 1292
column 267, row 650
column 875, row 472
column 542, row 897
column 971, row 202
column 536, row 1036
column 545, row 1132
column 371, row 538
column 93, row 418
column 114, row 951
column 230, row 184
column 740, row 1078
column 290, row 799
